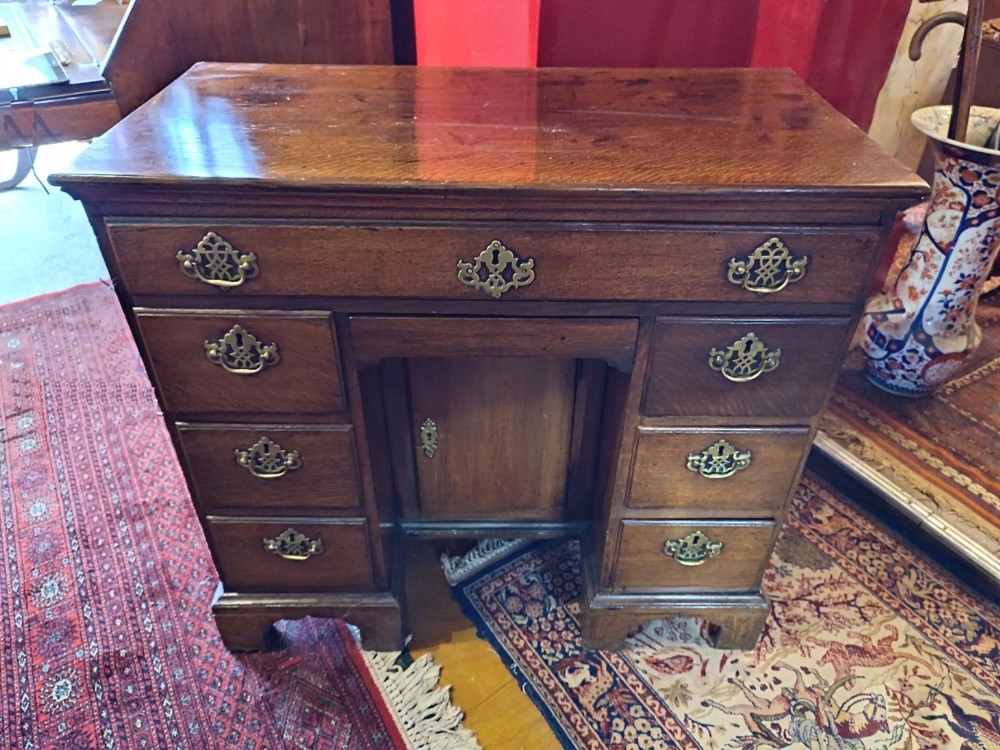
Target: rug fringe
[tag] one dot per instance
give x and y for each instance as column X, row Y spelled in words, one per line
column 459, row 567
column 424, row 711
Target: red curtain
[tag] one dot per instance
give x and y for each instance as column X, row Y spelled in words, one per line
column 647, row 33
column 842, row 48
column 477, row 33
column 785, row 33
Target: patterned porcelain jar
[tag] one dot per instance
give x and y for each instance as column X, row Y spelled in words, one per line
column 917, row 336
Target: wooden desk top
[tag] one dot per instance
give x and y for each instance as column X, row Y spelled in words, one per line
column 725, row 134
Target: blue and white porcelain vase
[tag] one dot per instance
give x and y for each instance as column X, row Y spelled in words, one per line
column 917, row 336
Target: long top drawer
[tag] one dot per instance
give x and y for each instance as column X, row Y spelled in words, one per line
column 476, row 263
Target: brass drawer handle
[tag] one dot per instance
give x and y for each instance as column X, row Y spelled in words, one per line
column 720, row 460
column 241, row 353
column 768, row 269
column 293, row 545
column 268, row 460
column 496, row 270
column 428, row 437
column 693, row 549
column 744, row 360
column 216, row 262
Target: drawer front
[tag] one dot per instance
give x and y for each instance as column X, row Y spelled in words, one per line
column 716, row 472
column 406, row 262
column 743, row 368
column 290, row 555
column 260, row 468
column 736, row 565
column 233, row 363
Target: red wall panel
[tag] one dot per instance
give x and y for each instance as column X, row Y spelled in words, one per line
column 853, row 51
column 477, row 33
column 786, row 32
column 646, row 33
column 842, row 48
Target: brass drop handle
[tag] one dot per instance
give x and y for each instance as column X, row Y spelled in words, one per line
column 720, row 460
column 268, row 460
column 744, row 360
column 694, row 549
column 496, row 270
column 428, row 437
column 216, row 262
column 241, row 353
column 293, row 545
column 769, row 268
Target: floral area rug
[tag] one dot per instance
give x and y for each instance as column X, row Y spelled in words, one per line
column 106, row 637
column 868, row 646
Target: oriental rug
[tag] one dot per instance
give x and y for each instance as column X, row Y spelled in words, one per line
column 937, row 457
column 869, row 646
column 106, row 638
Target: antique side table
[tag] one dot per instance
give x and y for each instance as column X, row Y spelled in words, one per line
column 385, row 302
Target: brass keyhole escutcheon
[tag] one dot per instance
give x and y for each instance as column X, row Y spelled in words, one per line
column 744, row 360
column 294, row 545
column 693, row 549
column 428, row 437
column 720, row 460
column 496, row 270
column 268, row 460
column 216, row 262
column 241, row 353
column 769, row 268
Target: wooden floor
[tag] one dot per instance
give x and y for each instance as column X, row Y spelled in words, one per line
column 502, row 717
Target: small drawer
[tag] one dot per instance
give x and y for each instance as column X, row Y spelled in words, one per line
column 237, row 363
column 716, row 472
column 291, row 554
column 266, row 468
column 697, row 264
column 743, row 368
column 720, row 555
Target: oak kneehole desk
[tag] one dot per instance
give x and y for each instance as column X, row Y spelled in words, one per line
column 384, row 302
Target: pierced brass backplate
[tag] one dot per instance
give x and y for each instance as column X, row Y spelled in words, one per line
column 428, row 438
column 241, row 353
column 496, row 270
column 693, row 549
column 720, row 460
column 268, row 460
column 292, row 545
column 744, row 360
column 768, row 269
column 215, row 261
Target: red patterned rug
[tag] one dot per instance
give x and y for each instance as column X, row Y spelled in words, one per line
column 869, row 646
column 106, row 638
column 937, row 457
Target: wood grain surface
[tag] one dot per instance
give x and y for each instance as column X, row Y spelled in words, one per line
column 160, row 40
column 305, row 379
column 245, row 565
column 642, row 565
column 711, row 133
column 662, row 481
column 325, row 482
column 504, row 428
column 635, row 264
column 681, row 383
column 378, row 337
